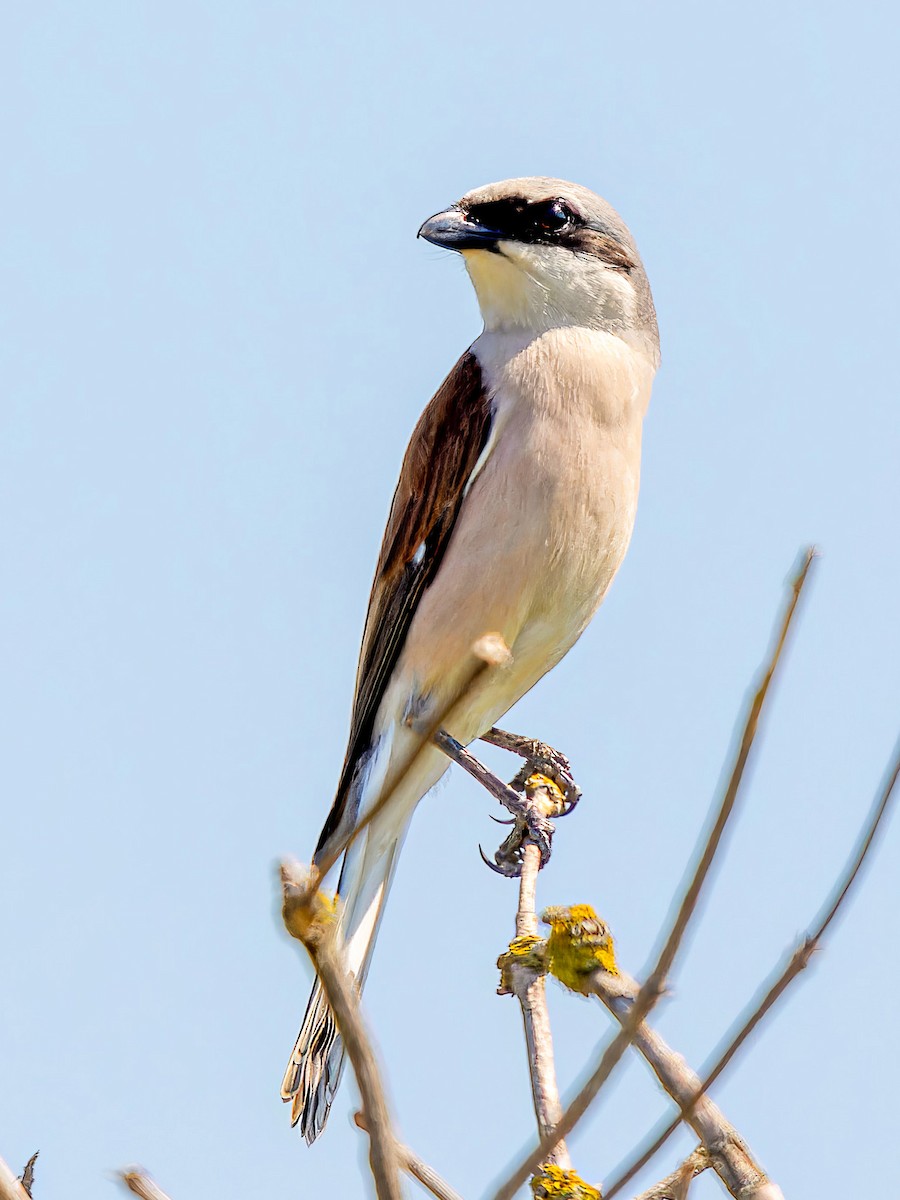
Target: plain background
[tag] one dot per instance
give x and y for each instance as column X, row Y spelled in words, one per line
column 218, row 330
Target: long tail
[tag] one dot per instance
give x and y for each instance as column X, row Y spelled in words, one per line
column 314, row 1070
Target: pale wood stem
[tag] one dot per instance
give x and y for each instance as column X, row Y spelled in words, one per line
column 10, row 1186
column 529, row 989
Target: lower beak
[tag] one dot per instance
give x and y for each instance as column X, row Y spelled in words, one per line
column 454, row 231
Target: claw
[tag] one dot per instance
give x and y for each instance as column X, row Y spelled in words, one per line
column 500, row 821
column 572, row 796
column 497, row 870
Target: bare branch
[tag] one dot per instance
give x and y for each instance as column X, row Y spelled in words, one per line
column 140, row 1183
column 579, row 1106
column 527, row 984
column 519, row 975
column 676, row 1185
column 10, row 1187
column 779, row 980
column 653, row 987
column 723, row 1148
column 861, row 850
column 309, row 919
column 727, row 803
column 419, row 1170
column 404, row 765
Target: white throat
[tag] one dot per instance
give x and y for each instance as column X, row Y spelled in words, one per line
column 538, row 288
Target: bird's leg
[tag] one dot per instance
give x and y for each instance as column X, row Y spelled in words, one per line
column 543, row 800
column 533, row 798
column 541, row 759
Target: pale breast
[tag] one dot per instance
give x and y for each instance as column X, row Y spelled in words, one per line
column 547, row 521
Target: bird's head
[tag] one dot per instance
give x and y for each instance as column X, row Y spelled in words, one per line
column 543, row 253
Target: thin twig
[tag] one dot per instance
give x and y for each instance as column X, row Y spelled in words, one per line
column 525, row 980
column 528, row 986
column 426, row 1175
column 140, row 1183
column 725, row 1150
column 780, row 979
column 726, row 806
column 653, row 987
column 10, row 1187
column 675, row 1186
column 319, row 936
column 579, row 1106
column 419, row 1170
column 331, row 853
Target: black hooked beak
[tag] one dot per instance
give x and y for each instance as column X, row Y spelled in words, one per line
column 453, row 230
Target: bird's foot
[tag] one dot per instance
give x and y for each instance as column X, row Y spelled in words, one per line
column 540, row 759
column 542, row 790
column 542, row 801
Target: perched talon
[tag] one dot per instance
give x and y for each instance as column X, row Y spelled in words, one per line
column 544, row 801
column 541, row 759
column 540, row 832
column 542, row 790
column 510, row 871
column 554, row 767
column 487, row 862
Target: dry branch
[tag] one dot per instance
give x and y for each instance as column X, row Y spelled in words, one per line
column 653, row 987
column 523, row 978
column 10, row 1186
column 676, row 1185
column 726, row 807
column 780, row 979
column 309, row 918
column 727, row 1152
column 527, row 984
column 140, row 1183
column 330, row 854
column 419, row 1170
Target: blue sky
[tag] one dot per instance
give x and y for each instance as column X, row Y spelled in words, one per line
column 218, row 330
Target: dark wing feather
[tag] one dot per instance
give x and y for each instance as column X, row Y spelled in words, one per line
column 442, row 453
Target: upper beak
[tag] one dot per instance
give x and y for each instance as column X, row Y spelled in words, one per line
column 453, row 230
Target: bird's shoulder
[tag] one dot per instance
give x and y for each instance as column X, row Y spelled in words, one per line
column 442, row 453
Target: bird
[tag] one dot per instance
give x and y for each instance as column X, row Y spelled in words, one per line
column 512, row 514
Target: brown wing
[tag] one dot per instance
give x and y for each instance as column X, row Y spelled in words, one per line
column 442, row 453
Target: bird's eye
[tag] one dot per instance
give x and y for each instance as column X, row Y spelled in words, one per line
column 553, row 216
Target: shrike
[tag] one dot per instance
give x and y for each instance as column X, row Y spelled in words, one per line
column 513, row 512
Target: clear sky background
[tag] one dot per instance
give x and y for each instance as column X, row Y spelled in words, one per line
column 218, row 331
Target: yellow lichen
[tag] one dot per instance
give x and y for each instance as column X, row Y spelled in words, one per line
column 555, row 1183
column 307, row 916
column 527, row 951
column 553, row 801
column 535, row 781
column 579, row 944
